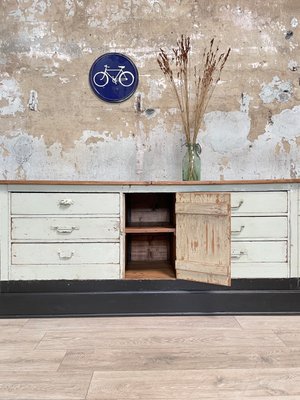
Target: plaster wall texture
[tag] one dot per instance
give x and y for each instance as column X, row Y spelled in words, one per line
column 54, row 127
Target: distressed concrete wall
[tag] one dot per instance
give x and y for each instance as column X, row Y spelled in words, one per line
column 53, row 127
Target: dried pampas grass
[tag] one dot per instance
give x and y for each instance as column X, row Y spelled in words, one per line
column 176, row 67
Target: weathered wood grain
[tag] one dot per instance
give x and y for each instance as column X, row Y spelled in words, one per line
column 161, row 323
column 147, row 359
column 142, row 338
column 272, row 322
column 203, row 237
column 22, row 339
column 289, row 337
column 11, row 322
column 36, row 385
column 176, row 385
column 18, row 359
column 187, row 384
column 182, row 384
column 152, row 183
column 165, row 358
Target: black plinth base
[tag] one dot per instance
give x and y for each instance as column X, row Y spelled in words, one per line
column 123, row 298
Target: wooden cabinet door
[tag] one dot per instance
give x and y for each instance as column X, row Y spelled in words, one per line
column 203, row 237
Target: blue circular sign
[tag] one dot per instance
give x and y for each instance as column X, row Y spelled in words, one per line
column 113, row 77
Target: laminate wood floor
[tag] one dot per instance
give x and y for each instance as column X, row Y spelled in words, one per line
column 151, row 358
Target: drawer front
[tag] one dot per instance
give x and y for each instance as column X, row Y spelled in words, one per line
column 258, row 252
column 259, row 227
column 259, row 202
column 259, row 270
column 61, row 228
column 88, row 271
column 64, row 253
column 65, row 203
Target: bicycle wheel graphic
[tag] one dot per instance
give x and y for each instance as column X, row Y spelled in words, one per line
column 126, row 78
column 100, row 79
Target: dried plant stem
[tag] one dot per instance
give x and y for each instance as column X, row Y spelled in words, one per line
column 206, row 79
column 187, row 107
column 182, row 113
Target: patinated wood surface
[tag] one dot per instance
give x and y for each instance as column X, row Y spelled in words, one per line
column 203, row 251
column 141, row 183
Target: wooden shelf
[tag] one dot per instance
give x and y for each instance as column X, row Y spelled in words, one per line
column 150, row 183
column 145, row 270
column 149, row 229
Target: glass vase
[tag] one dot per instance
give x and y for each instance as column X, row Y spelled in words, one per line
column 191, row 163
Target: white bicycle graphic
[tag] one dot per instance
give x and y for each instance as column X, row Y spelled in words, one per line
column 125, row 78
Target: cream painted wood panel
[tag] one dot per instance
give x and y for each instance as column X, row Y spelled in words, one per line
column 64, row 253
column 4, row 233
column 259, row 227
column 259, row 212
column 67, row 271
column 65, row 229
column 259, row 270
column 259, row 202
column 266, row 251
column 203, row 237
column 65, row 203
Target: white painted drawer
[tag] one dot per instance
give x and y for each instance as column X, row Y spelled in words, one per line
column 259, row 227
column 258, row 252
column 65, row 253
column 88, row 271
column 65, row 203
column 259, row 270
column 62, row 228
column 259, row 202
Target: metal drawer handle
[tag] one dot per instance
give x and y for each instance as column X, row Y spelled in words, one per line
column 237, row 256
column 236, row 232
column 238, row 206
column 64, row 229
column 66, row 202
column 64, row 256
column 116, row 228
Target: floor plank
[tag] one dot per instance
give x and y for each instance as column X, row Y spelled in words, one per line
column 273, row 382
column 176, row 385
column 171, row 322
column 271, row 322
column 138, row 338
column 17, row 359
column 20, row 322
column 200, row 384
column 289, row 338
column 180, row 358
column 43, row 386
column 21, row 339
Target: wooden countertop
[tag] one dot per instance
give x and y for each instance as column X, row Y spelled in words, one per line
column 149, row 183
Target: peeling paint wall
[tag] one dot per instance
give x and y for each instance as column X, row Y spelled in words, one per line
column 53, row 127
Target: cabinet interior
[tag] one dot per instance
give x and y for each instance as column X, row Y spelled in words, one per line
column 150, row 241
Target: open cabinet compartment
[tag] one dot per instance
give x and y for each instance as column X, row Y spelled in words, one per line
column 150, row 242
column 202, row 241
column 146, row 210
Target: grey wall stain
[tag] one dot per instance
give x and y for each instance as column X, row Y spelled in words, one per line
column 22, row 149
column 276, row 90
